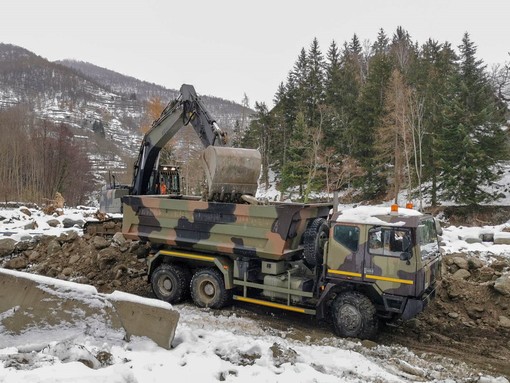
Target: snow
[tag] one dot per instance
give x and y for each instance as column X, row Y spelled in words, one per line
column 216, row 346
column 369, row 215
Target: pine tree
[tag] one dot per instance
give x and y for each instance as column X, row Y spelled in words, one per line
column 369, row 112
column 471, row 141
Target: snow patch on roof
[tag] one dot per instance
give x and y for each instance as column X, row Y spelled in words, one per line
column 370, row 215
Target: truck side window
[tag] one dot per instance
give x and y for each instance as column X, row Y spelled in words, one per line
column 427, row 238
column 347, row 236
column 389, row 241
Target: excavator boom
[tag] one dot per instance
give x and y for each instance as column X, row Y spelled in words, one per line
column 230, row 172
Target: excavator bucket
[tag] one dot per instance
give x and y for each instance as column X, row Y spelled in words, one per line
column 230, row 172
column 55, row 309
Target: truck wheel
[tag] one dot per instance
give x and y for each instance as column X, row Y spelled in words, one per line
column 208, row 289
column 313, row 239
column 170, row 283
column 354, row 316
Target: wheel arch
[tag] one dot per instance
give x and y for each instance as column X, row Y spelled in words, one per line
column 333, row 288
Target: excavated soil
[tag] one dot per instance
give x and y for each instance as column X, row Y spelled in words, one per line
column 468, row 320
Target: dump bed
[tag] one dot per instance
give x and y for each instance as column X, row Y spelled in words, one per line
column 270, row 232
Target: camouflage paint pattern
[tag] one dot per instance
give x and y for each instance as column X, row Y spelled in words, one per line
column 270, row 232
column 388, row 274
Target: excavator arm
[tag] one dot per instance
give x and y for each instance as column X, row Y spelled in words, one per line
column 189, row 109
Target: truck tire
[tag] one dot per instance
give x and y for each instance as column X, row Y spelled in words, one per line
column 208, row 289
column 170, row 283
column 313, row 240
column 354, row 316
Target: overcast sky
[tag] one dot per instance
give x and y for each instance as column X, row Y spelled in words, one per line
column 228, row 48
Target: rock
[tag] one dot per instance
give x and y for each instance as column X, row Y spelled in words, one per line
column 70, row 236
column 461, row 274
column 502, row 285
column 24, row 245
column 487, row 237
column 475, row 312
column 25, row 211
column 368, row 343
column 100, row 243
column 502, row 238
column 7, row 246
column 486, row 274
column 461, row 263
column 499, row 265
column 67, row 271
column 53, row 222
column 34, row 256
column 475, row 263
column 16, row 263
column 282, row 354
column 453, row 315
column 119, row 239
column 54, row 247
column 68, row 222
column 73, row 259
column 410, row 369
column 107, row 257
column 30, row 226
column 504, row 321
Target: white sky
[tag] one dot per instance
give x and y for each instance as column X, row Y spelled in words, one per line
column 227, row 48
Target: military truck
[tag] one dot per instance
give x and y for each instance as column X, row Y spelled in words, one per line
column 355, row 267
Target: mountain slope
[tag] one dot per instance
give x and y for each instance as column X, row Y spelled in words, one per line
column 104, row 108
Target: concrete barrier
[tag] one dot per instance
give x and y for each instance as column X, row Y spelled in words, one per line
column 61, row 309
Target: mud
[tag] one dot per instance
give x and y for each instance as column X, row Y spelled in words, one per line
column 468, row 321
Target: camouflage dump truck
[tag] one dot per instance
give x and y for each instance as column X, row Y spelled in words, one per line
column 354, row 267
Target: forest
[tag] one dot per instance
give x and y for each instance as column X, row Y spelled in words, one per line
column 378, row 118
column 370, row 119
column 39, row 158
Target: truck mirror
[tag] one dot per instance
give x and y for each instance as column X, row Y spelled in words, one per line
column 405, row 256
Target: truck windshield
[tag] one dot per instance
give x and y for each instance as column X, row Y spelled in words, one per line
column 427, row 238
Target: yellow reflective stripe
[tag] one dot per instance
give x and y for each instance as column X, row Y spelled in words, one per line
column 347, row 273
column 387, row 279
column 269, row 304
column 187, row 255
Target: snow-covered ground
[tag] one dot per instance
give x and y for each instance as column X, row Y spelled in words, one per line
column 219, row 346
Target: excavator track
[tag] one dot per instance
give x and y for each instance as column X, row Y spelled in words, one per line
column 106, row 228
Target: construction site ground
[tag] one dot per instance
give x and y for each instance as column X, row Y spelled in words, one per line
column 467, row 322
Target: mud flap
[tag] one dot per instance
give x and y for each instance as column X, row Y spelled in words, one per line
column 230, row 172
column 56, row 309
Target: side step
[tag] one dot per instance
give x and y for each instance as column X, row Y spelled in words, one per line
column 275, row 305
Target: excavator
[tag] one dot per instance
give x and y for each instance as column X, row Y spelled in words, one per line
column 231, row 173
column 64, row 309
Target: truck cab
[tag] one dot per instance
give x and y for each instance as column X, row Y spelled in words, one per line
column 391, row 257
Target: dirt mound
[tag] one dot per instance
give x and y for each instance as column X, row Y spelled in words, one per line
column 108, row 265
column 470, row 318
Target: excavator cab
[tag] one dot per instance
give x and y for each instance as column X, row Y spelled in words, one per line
column 169, row 180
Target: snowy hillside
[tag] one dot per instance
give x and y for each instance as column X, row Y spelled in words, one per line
column 105, row 109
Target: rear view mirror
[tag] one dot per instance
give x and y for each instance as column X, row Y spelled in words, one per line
column 405, row 256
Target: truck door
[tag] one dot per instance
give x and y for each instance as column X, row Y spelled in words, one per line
column 344, row 257
column 389, row 260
